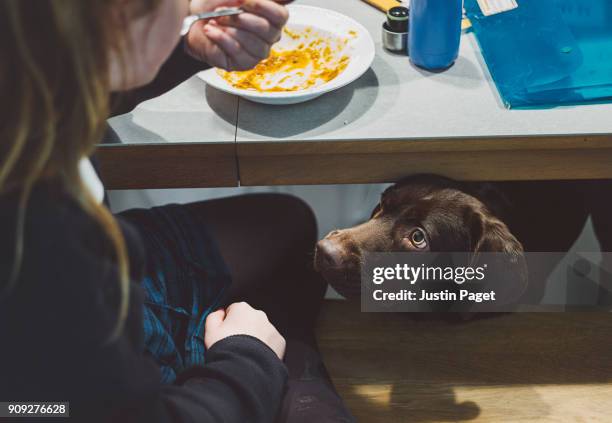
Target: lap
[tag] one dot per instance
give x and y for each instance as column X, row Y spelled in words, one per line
column 205, row 255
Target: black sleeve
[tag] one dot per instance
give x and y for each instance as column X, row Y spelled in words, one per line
column 179, row 67
column 241, row 371
column 243, row 381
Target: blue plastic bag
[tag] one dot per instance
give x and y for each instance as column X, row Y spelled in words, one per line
column 548, row 52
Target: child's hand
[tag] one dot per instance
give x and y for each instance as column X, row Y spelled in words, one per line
column 236, row 42
column 242, row 319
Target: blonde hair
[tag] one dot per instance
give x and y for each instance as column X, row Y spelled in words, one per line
column 55, row 85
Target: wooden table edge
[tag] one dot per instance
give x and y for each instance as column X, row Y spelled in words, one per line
column 362, row 162
column 168, row 165
column 282, row 162
column 423, row 145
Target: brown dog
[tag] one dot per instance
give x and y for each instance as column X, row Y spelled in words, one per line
column 421, row 213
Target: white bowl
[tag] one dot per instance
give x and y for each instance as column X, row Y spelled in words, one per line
column 360, row 49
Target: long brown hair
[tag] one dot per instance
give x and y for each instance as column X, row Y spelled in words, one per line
column 54, row 102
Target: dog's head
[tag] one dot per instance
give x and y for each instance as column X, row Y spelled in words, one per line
column 420, row 213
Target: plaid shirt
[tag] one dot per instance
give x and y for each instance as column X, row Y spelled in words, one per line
column 186, row 279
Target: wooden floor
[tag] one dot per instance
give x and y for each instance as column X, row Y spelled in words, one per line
column 510, row 368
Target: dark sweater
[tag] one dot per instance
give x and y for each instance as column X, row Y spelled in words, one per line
column 53, row 323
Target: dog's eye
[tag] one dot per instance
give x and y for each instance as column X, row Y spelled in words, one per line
column 418, row 239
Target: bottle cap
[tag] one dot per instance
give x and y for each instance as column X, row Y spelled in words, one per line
column 397, row 19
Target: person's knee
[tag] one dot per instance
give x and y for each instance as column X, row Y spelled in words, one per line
column 293, row 217
column 302, row 215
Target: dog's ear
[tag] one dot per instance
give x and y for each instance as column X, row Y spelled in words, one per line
column 495, row 246
column 491, row 235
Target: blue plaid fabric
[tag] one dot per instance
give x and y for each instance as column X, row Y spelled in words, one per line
column 186, row 279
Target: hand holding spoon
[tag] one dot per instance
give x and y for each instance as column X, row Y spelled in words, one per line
column 230, row 11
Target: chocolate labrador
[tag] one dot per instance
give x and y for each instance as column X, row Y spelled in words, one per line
column 422, row 213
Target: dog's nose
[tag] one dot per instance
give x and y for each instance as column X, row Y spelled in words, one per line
column 329, row 254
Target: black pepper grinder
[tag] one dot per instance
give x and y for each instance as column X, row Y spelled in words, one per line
column 395, row 30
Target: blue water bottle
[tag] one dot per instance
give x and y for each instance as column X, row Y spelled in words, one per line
column 435, row 31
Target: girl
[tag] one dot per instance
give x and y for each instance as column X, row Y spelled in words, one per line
column 115, row 314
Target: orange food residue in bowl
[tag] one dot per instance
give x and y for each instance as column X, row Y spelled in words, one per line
column 312, row 59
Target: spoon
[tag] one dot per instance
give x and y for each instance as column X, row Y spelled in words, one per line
column 190, row 20
column 230, row 11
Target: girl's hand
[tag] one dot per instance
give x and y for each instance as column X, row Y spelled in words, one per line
column 242, row 319
column 236, row 42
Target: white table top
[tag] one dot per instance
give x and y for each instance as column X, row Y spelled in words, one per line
column 182, row 115
column 392, row 101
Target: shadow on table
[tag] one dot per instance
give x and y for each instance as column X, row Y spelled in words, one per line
column 110, row 136
column 463, row 74
column 222, row 103
column 292, row 120
column 131, row 132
